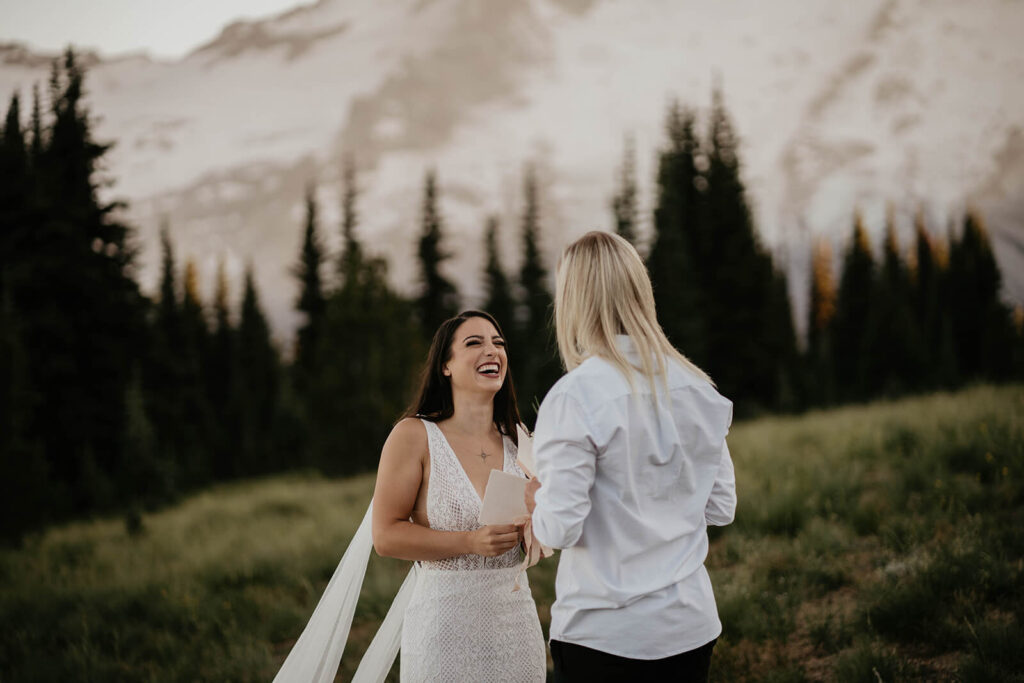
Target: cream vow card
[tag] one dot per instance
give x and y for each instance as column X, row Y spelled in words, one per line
column 503, row 499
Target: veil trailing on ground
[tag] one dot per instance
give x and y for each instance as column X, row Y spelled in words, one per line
column 317, row 653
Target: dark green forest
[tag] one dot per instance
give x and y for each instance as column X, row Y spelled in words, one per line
column 115, row 401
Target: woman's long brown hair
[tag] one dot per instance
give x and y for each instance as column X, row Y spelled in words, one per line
column 434, row 399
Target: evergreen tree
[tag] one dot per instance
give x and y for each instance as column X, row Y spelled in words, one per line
column 982, row 328
column 195, row 360
column 780, row 336
column 220, row 377
column 498, row 296
column 257, row 381
column 438, row 299
column 624, row 203
column 351, row 258
column 534, row 360
column 370, row 349
column 36, row 141
column 23, row 475
column 851, row 360
column 750, row 345
column 671, row 261
column 933, row 321
column 14, row 192
column 164, row 372
column 311, row 302
column 168, row 315
column 820, row 385
column 192, row 316
column 81, row 312
column 897, row 366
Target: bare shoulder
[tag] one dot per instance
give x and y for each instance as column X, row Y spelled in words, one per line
column 408, row 438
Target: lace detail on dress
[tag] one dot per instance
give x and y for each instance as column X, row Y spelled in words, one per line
column 454, row 505
column 471, row 627
column 464, row 622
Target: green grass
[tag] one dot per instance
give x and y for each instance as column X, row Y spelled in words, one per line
column 878, row 542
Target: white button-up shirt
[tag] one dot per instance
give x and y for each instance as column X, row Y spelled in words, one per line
column 630, row 480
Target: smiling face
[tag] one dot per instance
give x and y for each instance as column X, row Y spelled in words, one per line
column 477, row 360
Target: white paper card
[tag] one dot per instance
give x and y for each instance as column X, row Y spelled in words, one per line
column 504, row 498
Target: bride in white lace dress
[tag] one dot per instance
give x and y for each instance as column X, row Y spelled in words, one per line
column 464, row 622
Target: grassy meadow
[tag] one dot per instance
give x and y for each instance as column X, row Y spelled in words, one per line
column 872, row 543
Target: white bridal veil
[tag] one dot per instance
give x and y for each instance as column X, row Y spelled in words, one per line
column 317, row 653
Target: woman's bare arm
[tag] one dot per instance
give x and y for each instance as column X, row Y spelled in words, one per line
column 399, row 477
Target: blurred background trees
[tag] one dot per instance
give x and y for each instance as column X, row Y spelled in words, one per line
column 111, row 400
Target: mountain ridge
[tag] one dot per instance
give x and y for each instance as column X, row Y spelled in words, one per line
column 839, row 108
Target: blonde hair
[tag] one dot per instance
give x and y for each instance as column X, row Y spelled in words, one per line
column 603, row 290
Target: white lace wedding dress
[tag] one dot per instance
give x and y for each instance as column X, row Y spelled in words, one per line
column 464, row 622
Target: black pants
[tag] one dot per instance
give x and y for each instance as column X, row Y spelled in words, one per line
column 575, row 663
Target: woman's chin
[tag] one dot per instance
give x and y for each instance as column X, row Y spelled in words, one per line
column 490, row 384
column 482, row 385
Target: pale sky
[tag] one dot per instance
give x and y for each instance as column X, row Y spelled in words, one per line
column 163, row 28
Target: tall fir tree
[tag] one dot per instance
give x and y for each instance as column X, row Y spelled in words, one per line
column 195, row 359
column 751, row 347
column 624, row 203
column 193, row 316
column 14, row 194
column 981, row 322
column 164, row 371
column 534, row 359
column 498, row 300
column 850, row 326
column 312, row 302
column 24, row 481
column 671, row 261
column 898, row 367
column 81, row 311
column 36, row 125
column 780, row 336
column 819, row 385
column 438, row 299
column 370, row 349
column 257, row 386
column 220, row 378
column 350, row 259
column 928, row 282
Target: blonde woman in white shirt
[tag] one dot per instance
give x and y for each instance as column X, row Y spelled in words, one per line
column 632, row 466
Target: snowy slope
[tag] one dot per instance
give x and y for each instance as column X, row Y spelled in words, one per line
column 840, row 106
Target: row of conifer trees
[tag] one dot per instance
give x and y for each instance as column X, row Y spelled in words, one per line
column 113, row 400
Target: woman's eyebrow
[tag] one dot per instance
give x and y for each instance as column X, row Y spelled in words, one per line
column 473, row 336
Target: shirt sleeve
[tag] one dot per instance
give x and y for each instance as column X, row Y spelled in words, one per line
column 566, row 459
column 721, row 507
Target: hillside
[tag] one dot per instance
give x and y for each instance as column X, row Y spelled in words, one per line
column 882, row 538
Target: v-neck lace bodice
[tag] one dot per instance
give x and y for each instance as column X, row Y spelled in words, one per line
column 464, row 622
column 453, row 504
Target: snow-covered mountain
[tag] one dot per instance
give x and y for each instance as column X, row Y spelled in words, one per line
column 840, row 106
